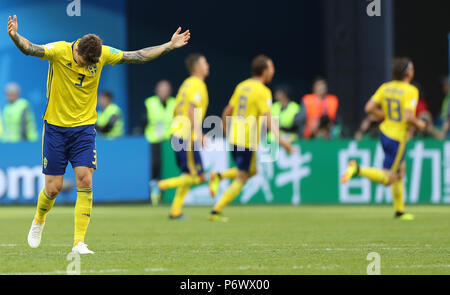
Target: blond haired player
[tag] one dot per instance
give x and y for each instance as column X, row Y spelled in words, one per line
column 249, row 104
column 69, row 134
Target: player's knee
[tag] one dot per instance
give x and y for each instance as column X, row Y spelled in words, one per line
column 84, row 180
column 52, row 190
column 252, row 173
column 392, row 177
column 243, row 177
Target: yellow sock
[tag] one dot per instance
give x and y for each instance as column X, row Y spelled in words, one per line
column 230, row 194
column 178, row 201
column 83, row 209
column 397, row 194
column 229, row 174
column 44, row 204
column 183, row 180
column 375, row 175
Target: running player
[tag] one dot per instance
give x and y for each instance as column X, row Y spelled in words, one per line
column 395, row 102
column 249, row 104
column 187, row 137
column 69, row 134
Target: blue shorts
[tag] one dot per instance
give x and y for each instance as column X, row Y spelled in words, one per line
column 394, row 153
column 245, row 160
column 188, row 159
column 61, row 145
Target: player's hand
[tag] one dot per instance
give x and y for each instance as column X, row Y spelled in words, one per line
column 179, row 40
column 287, row 146
column 12, row 26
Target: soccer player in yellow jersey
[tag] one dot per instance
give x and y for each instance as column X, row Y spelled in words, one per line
column 69, row 134
column 249, row 105
column 395, row 102
column 187, row 137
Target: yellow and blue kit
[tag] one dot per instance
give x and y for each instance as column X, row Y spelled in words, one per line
column 70, row 115
column 193, row 91
column 251, row 100
column 395, row 97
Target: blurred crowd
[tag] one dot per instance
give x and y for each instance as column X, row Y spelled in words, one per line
column 315, row 115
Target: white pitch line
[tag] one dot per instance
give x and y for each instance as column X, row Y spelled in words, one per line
column 366, row 248
column 155, row 269
column 56, row 272
column 323, row 267
column 423, row 266
column 63, row 272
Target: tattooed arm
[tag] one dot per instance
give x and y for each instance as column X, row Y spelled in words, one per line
column 147, row 54
column 23, row 44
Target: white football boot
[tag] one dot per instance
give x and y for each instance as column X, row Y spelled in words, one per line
column 35, row 234
column 81, row 248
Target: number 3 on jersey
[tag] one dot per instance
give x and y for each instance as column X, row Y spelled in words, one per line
column 81, row 78
column 394, row 109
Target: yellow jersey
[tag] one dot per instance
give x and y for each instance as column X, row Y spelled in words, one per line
column 395, row 97
column 71, row 89
column 250, row 101
column 193, row 92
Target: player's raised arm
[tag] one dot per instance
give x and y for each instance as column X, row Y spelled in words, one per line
column 147, row 54
column 23, row 44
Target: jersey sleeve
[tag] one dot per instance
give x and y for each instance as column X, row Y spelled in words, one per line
column 379, row 95
column 412, row 100
column 195, row 95
column 111, row 55
column 53, row 50
column 265, row 102
column 196, row 99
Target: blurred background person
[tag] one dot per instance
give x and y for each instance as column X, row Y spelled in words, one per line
column 321, row 110
column 446, row 100
column 369, row 128
column 110, row 120
column 286, row 111
column 445, row 111
column 18, row 117
column 158, row 119
column 423, row 112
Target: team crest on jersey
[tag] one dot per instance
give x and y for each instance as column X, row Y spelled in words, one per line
column 93, row 69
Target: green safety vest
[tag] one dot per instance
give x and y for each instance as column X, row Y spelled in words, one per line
column 159, row 118
column 12, row 117
column 105, row 115
column 286, row 118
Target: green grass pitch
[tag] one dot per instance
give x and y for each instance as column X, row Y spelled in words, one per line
column 139, row 239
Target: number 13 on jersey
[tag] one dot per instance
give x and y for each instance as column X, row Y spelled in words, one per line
column 394, row 109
